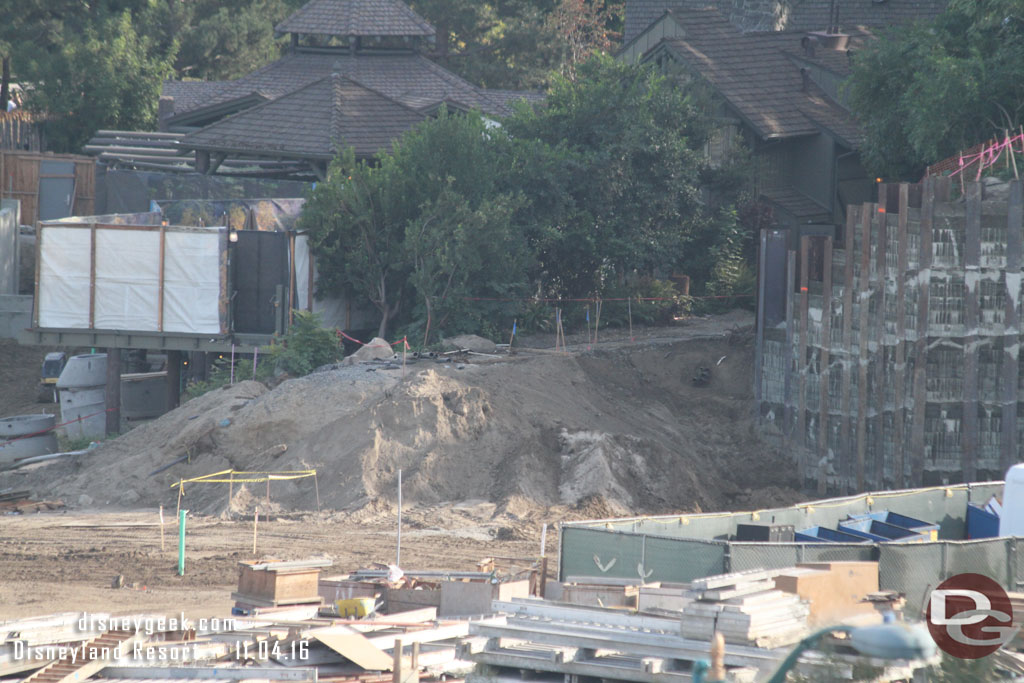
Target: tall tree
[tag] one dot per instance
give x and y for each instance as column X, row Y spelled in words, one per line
column 612, row 164
column 106, row 74
column 926, row 92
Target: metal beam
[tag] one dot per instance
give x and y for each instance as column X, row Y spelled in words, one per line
column 141, row 340
column 224, row 673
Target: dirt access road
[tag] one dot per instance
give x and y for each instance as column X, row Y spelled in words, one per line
column 65, row 562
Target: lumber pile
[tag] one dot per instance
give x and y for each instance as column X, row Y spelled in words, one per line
column 23, row 506
column 607, row 643
column 834, row 591
column 746, row 609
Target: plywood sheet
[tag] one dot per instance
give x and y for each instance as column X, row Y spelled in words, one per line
column 353, row 646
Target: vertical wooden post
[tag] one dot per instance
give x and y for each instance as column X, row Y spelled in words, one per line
column 112, row 392
column 802, row 363
column 173, row 379
column 1011, row 341
column 863, row 337
column 826, row 371
column 847, row 470
column 759, row 334
column 787, row 411
column 972, row 318
column 39, row 261
column 160, row 281
column 917, row 442
column 92, row 275
column 899, row 407
column 881, row 377
column 396, row 666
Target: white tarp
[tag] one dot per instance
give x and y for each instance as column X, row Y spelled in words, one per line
column 192, row 282
column 64, row 277
column 302, row 264
column 127, row 279
column 126, row 291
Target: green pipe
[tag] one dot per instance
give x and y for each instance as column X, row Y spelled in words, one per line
column 181, row 543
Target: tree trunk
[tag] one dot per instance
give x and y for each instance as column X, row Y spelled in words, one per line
column 5, row 82
column 426, row 334
column 384, row 317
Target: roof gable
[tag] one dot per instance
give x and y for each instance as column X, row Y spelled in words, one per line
column 311, row 122
column 789, row 15
column 409, row 78
column 356, row 18
column 754, row 75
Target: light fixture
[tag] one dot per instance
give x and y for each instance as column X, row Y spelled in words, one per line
column 233, row 235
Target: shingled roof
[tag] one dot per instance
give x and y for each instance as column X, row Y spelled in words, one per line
column 409, row 78
column 311, row 123
column 754, row 75
column 356, row 18
column 790, row 15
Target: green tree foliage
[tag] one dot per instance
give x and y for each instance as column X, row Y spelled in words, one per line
column 426, row 229
column 109, row 75
column 305, row 347
column 597, row 193
column 518, row 43
column 220, row 39
column 612, row 165
column 926, row 92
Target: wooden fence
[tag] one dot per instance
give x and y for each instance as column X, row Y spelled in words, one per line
column 20, row 131
column 21, row 178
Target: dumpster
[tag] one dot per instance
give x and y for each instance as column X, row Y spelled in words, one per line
column 821, row 534
column 896, row 519
column 981, row 522
column 880, row 532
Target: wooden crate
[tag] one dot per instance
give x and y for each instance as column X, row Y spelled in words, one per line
column 280, row 586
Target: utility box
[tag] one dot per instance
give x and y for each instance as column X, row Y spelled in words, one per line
column 770, row 533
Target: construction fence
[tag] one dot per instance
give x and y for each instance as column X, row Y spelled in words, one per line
column 681, row 548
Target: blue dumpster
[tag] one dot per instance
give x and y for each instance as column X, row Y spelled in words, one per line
column 821, row 534
column 880, row 532
column 928, row 529
column 981, row 523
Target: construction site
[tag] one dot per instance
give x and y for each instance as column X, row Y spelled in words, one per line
column 280, row 400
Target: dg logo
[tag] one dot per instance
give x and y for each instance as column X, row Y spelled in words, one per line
column 970, row 616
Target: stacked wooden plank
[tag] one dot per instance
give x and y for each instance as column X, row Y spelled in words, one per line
column 746, row 609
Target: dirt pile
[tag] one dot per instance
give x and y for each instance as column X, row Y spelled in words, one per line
column 622, row 429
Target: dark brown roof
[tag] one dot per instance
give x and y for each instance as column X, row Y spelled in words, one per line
column 356, row 18
column 804, row 15
column 756, row 78
column 409, row 78
column 311, row 122
column 191, row 94
column 796, row 203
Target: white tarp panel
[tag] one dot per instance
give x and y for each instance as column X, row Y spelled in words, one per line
column 302, row 293
column 127, row 279
column 64, row 278
column 126, row 290
column 192, row 285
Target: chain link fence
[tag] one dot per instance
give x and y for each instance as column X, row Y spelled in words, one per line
column 681, row 548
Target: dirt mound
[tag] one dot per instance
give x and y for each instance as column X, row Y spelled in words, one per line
column 618, row 430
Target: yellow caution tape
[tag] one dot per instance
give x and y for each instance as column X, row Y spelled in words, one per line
column 245, row 477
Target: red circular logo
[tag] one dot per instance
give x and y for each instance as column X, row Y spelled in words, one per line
column 970, row 616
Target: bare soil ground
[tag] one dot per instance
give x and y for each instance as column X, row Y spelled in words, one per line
column 490, row 448
column 54, row 562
